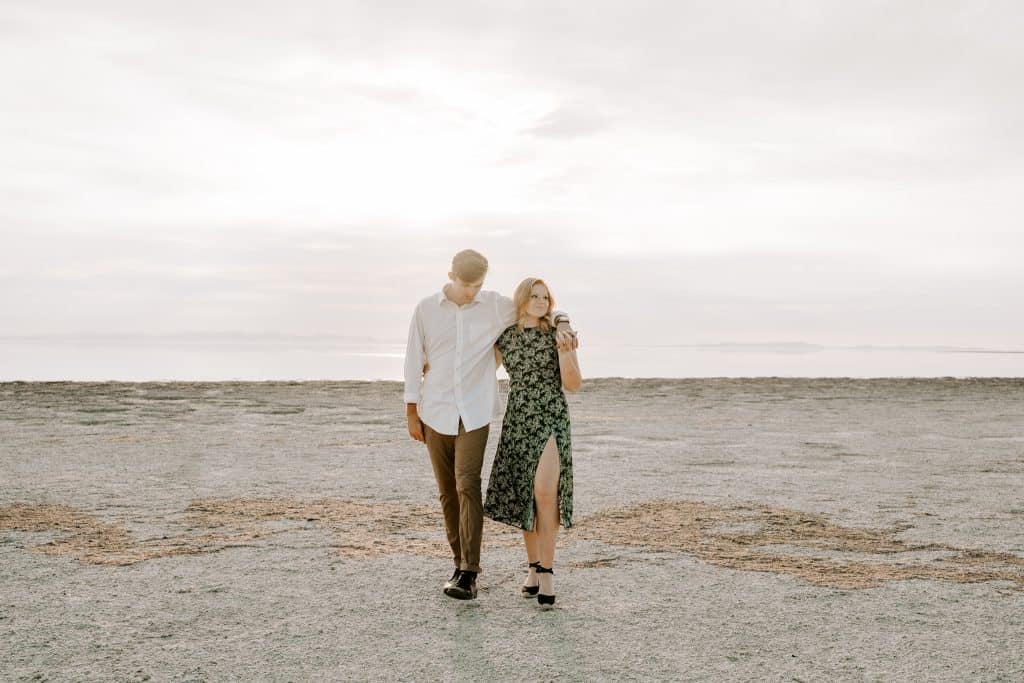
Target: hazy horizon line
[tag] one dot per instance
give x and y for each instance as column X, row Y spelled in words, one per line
column 279, row 338
column 624, row 378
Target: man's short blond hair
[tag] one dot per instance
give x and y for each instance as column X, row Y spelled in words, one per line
column 469, row 266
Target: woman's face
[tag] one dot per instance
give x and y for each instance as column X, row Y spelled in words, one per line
column 539, row 301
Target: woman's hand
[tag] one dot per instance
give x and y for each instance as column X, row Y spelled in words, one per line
column 566, row 337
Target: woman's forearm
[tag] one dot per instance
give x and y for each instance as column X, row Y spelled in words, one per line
column 570, row 368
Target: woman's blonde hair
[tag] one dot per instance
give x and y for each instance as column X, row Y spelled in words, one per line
column 522, row 299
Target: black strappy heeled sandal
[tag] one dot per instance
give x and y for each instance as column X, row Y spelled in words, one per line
column 530, row 591
column 544, row 600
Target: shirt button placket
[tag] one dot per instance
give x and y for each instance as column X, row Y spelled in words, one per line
column 459, row 341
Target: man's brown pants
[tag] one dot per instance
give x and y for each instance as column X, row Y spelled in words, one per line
column 457, row 461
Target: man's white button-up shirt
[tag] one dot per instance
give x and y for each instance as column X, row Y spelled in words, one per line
column 456, row 344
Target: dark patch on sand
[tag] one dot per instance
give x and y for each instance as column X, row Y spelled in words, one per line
column 690, row 527
column 744, row 537
column 96, row 542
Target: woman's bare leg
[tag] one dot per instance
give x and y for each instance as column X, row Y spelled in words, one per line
column 545, row 493
column 530, row 541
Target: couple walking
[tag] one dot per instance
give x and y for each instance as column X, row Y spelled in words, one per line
column 457, row 339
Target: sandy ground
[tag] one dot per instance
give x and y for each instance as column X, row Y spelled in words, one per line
column 771, row 529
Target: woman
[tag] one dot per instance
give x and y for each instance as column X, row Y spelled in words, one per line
column 531, row 479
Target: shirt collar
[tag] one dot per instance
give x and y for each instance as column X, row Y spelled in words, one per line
column 441, row 298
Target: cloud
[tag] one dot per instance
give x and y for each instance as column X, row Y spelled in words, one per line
column 568, row 122
column 835, row 170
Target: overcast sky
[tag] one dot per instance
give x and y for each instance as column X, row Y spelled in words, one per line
column 681, row 172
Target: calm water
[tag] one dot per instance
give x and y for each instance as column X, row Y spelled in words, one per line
column 136, row 360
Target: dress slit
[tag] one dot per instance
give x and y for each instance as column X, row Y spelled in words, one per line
column 533, row 488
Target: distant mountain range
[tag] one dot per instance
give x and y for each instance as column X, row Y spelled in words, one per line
column 801, row 347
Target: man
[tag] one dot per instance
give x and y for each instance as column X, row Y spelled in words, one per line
column 450, row 396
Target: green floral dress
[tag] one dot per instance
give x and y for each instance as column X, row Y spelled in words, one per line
column 536, row 410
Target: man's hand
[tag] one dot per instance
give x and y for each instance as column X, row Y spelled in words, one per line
column 566, row 337
column 415, row 423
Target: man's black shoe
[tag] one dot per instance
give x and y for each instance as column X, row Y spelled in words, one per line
column 451, row 582
column 464, row 587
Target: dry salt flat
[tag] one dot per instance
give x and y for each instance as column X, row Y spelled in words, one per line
column 727, row 530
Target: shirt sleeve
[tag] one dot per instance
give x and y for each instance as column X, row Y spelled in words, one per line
column 506, row 311
column 414, row 357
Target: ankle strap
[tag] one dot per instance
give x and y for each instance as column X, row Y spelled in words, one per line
column 534, row 565
column 544, row 570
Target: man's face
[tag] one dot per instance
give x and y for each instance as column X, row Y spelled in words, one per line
column 462, row 292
